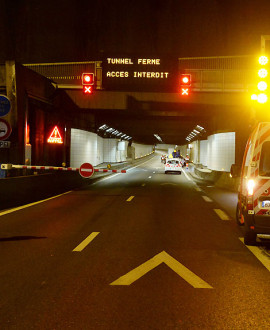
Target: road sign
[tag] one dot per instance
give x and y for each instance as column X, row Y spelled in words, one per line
column 158, row 259
column 4, row 144
column 86, row 170
column 5, row 129
column 4, row 105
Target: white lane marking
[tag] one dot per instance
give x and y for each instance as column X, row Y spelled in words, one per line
column 31, row 204
column 85, row 242
column 259, row 254
column 154, row 172
column 158, row 259
column 186, row 175
column 222, row 214
column 198, row 189
column 130, row 198
column 149, row 177
column 207, row 199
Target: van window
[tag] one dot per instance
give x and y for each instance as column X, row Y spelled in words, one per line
column 264, row 168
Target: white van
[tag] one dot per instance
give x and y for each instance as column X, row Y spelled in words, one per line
column 253, row 207
column 173, row 165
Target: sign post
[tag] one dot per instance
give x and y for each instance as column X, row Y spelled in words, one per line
column 86, row 170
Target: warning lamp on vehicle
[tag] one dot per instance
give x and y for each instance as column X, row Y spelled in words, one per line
column 262, row 73
column 262, row 98
column 250, row 187
column 262, row 85
column 263, row 60
column 87, row 78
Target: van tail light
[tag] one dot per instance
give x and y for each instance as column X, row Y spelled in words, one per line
column 250, row 187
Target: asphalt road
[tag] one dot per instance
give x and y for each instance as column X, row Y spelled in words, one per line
column 141, row 250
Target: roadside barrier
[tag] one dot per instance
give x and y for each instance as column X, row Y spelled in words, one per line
column 29, row 167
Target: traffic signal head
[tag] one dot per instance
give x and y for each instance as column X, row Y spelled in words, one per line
column 185, row 80
column 87, row 78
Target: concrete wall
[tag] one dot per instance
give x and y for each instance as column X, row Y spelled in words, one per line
column 221, row 151
column 87, row 147
column 142, row 150
column 217, row 152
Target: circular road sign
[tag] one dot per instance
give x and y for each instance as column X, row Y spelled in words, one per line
column 4, row 105
column 5, row 129
column 86, row 170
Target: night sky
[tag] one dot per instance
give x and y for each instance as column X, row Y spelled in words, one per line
column 80, row 30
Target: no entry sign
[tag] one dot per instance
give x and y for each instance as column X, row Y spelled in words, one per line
column 86, row 170
column 5, row 129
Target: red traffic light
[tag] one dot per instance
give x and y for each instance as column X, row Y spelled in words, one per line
column 87, row 78
column 87, row 89
column 185, row 80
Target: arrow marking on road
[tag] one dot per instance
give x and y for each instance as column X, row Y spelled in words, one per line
column 176, row 266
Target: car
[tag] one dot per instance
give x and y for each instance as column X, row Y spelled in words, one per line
column 253, row 207
column 173, row 165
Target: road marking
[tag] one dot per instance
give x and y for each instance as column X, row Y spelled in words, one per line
column 186, row 175
column 176, row 266
column 143, row 185
column 85, row 242
column 31, row 204
column 259, row 254
column 198, row 189
column 207, row 199
column 149, row 177
column 154, row 172
column 210, row 186
column 222, row 214
column 130, row 198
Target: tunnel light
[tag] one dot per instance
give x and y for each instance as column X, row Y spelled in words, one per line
column 103, row 127
column 158, row 137
column 200, row 128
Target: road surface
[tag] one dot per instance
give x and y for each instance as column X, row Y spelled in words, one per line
column 141, row 250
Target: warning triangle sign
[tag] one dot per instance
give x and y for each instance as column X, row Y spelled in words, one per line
column 55, row 136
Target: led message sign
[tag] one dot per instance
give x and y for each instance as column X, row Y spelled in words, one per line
column 55, row 136
column 138, row 74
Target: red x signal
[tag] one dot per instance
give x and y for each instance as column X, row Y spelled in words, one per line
column 87, row 89
column 184, row 91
